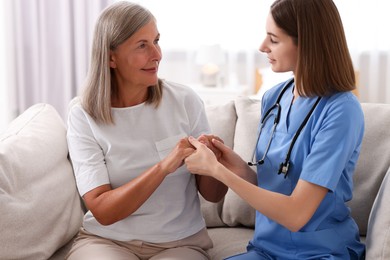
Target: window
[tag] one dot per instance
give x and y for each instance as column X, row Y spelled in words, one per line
column 189, row 24
column 239, row 25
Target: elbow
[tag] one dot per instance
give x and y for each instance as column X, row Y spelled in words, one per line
column 212, row 198
column 294, row 228
column 104, row 221
column 216, row 196
column 296, row 224
column 105, row 218
column 215, row 199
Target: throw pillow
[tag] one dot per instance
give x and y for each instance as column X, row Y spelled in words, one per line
column 39, row 204
column 222, row 119
column 235, row 210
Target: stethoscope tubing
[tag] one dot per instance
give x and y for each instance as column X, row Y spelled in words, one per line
column 276, row 122
column 284, row 166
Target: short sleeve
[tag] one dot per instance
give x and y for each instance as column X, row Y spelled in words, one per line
column 197, row 115
column 86, row 155
column 336, row 145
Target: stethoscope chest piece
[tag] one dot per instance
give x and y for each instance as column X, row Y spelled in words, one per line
column 283, row 168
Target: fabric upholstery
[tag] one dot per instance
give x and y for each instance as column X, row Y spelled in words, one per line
column 373, row 162
column 236, row 211
column 228, row 243
column 41, row 210
column 378, row 233
column 39, row 205
column 222, row 120
column 248, row 118
column 240, row 135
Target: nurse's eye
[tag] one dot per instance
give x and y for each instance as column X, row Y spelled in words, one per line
column 273, row 41
column 156, row 41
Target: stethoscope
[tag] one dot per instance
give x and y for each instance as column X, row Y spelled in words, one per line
column 284, row 166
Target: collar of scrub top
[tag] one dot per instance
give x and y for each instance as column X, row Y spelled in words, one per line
column 284, row 166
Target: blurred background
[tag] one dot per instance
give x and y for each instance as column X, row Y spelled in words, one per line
column 209, row 45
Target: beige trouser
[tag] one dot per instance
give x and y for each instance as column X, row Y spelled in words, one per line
column 91, row 247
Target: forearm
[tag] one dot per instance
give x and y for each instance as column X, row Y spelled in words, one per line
column 241, row 169
column 211, row 189
column 248, row 174
column 111, row 205
column 293, row 211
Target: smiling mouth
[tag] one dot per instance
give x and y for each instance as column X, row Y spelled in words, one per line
column 154, row 69
column 271, row 60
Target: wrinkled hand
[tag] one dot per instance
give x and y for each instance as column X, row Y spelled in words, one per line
column 208, row 141
column 203, row 160
column 176, row 158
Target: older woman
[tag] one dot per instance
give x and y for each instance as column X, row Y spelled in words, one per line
column 127, row 141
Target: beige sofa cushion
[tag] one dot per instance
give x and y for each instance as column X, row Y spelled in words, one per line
column 222, row 119
column 236, row 123
column 378, row 233
column 235, row 210
column 229, row 241
column 39, row 204
column 373, row 162
column 248, row 119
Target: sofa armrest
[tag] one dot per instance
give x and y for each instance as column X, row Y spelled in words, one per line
column 373, row 162
column 378, row 230
column 39, row 203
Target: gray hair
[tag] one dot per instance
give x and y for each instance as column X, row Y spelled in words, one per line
column 115, row 25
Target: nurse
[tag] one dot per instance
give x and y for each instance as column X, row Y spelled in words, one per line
column 306, row 162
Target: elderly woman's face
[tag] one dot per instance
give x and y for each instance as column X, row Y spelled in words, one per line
column 136, row 60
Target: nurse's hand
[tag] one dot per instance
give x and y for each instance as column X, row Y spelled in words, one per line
column 203, row 161
column 231, row 159
column 175, row 159
column 208, row 141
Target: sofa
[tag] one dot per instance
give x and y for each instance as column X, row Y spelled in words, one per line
column 41, row 211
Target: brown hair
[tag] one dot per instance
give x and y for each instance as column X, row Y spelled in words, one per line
column 324, row 64
column 115, row 25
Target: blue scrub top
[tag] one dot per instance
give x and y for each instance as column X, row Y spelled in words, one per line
column 325, row 154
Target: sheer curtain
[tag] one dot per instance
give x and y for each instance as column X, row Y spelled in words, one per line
column 47, row 50
column 366, row 26
column 238, row 26
column 47, row 45
column 4, row 116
